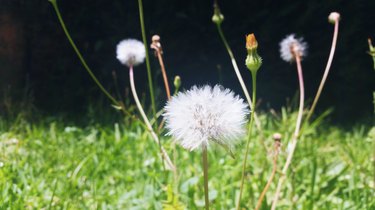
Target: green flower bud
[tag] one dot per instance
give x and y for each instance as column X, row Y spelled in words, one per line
column 177, row 82
column 217, row 18
column 253, row 60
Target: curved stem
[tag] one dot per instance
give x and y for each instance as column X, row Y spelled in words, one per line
column 55, row 6
column 248, row 140
column 295, row 135
column 205, row 175
column 259, row 203
column 149, row 75
column 148, row 124
column 87, row 68
column 326, row 71
column 239, row 76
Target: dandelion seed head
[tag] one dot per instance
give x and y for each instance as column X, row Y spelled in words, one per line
column 130, row 52
column 291, row 46
column 206, row 114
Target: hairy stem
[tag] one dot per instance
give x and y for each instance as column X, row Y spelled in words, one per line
column 205, row 175
column 254, row 74
column 164, row 154
column 326, row 71
column 149, row 75
column 295, row 135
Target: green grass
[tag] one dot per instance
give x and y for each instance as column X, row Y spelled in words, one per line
column 52, row 164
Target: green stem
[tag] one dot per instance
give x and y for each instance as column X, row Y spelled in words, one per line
column 87, row 68
column 205, row 175
column 239, row 77
column 149, row 75
column 253, row 74
column 54, row 3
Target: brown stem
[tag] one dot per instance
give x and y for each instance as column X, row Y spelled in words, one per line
column 274, row 169
column 158, row 52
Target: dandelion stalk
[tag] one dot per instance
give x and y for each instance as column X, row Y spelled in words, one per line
column 277, row 138
column 85, row 65
column 149, row 75
column 334, row 18
column 205, row 115
column 296, row 132
column 205, row 176
column 164, row 154
column 218, row 18
column 247, row 145
column 253, row 63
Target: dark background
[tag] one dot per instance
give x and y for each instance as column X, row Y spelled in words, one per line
column 37, row 63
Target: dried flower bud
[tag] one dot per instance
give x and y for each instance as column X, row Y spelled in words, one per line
column 276, row 137
column 333, row 17
column 251, row 42
column 253, row 60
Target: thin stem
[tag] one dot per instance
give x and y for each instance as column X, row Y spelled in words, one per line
column 205, row 175
column 67, row 34
column 148, row 124
column 149, row 75
column 296, row 133
column 239, row 77
column 274, row 169
column 87, row 68
column 254, row 74
column 164, row 73
column 326, row 71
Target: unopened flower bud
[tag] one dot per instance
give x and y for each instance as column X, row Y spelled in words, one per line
column 277, row 137
column 253, row 60
column 333, row 17
column 177, row 82
column 217, row 18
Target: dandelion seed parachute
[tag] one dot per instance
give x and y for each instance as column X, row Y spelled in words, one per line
column 290, row 45
column 130, row 52
column 206, row 114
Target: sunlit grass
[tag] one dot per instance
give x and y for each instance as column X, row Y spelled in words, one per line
column 54, row 164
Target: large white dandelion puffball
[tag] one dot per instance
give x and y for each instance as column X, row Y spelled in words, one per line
column 206, row 114
column 130, row 52
column 290, row 46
